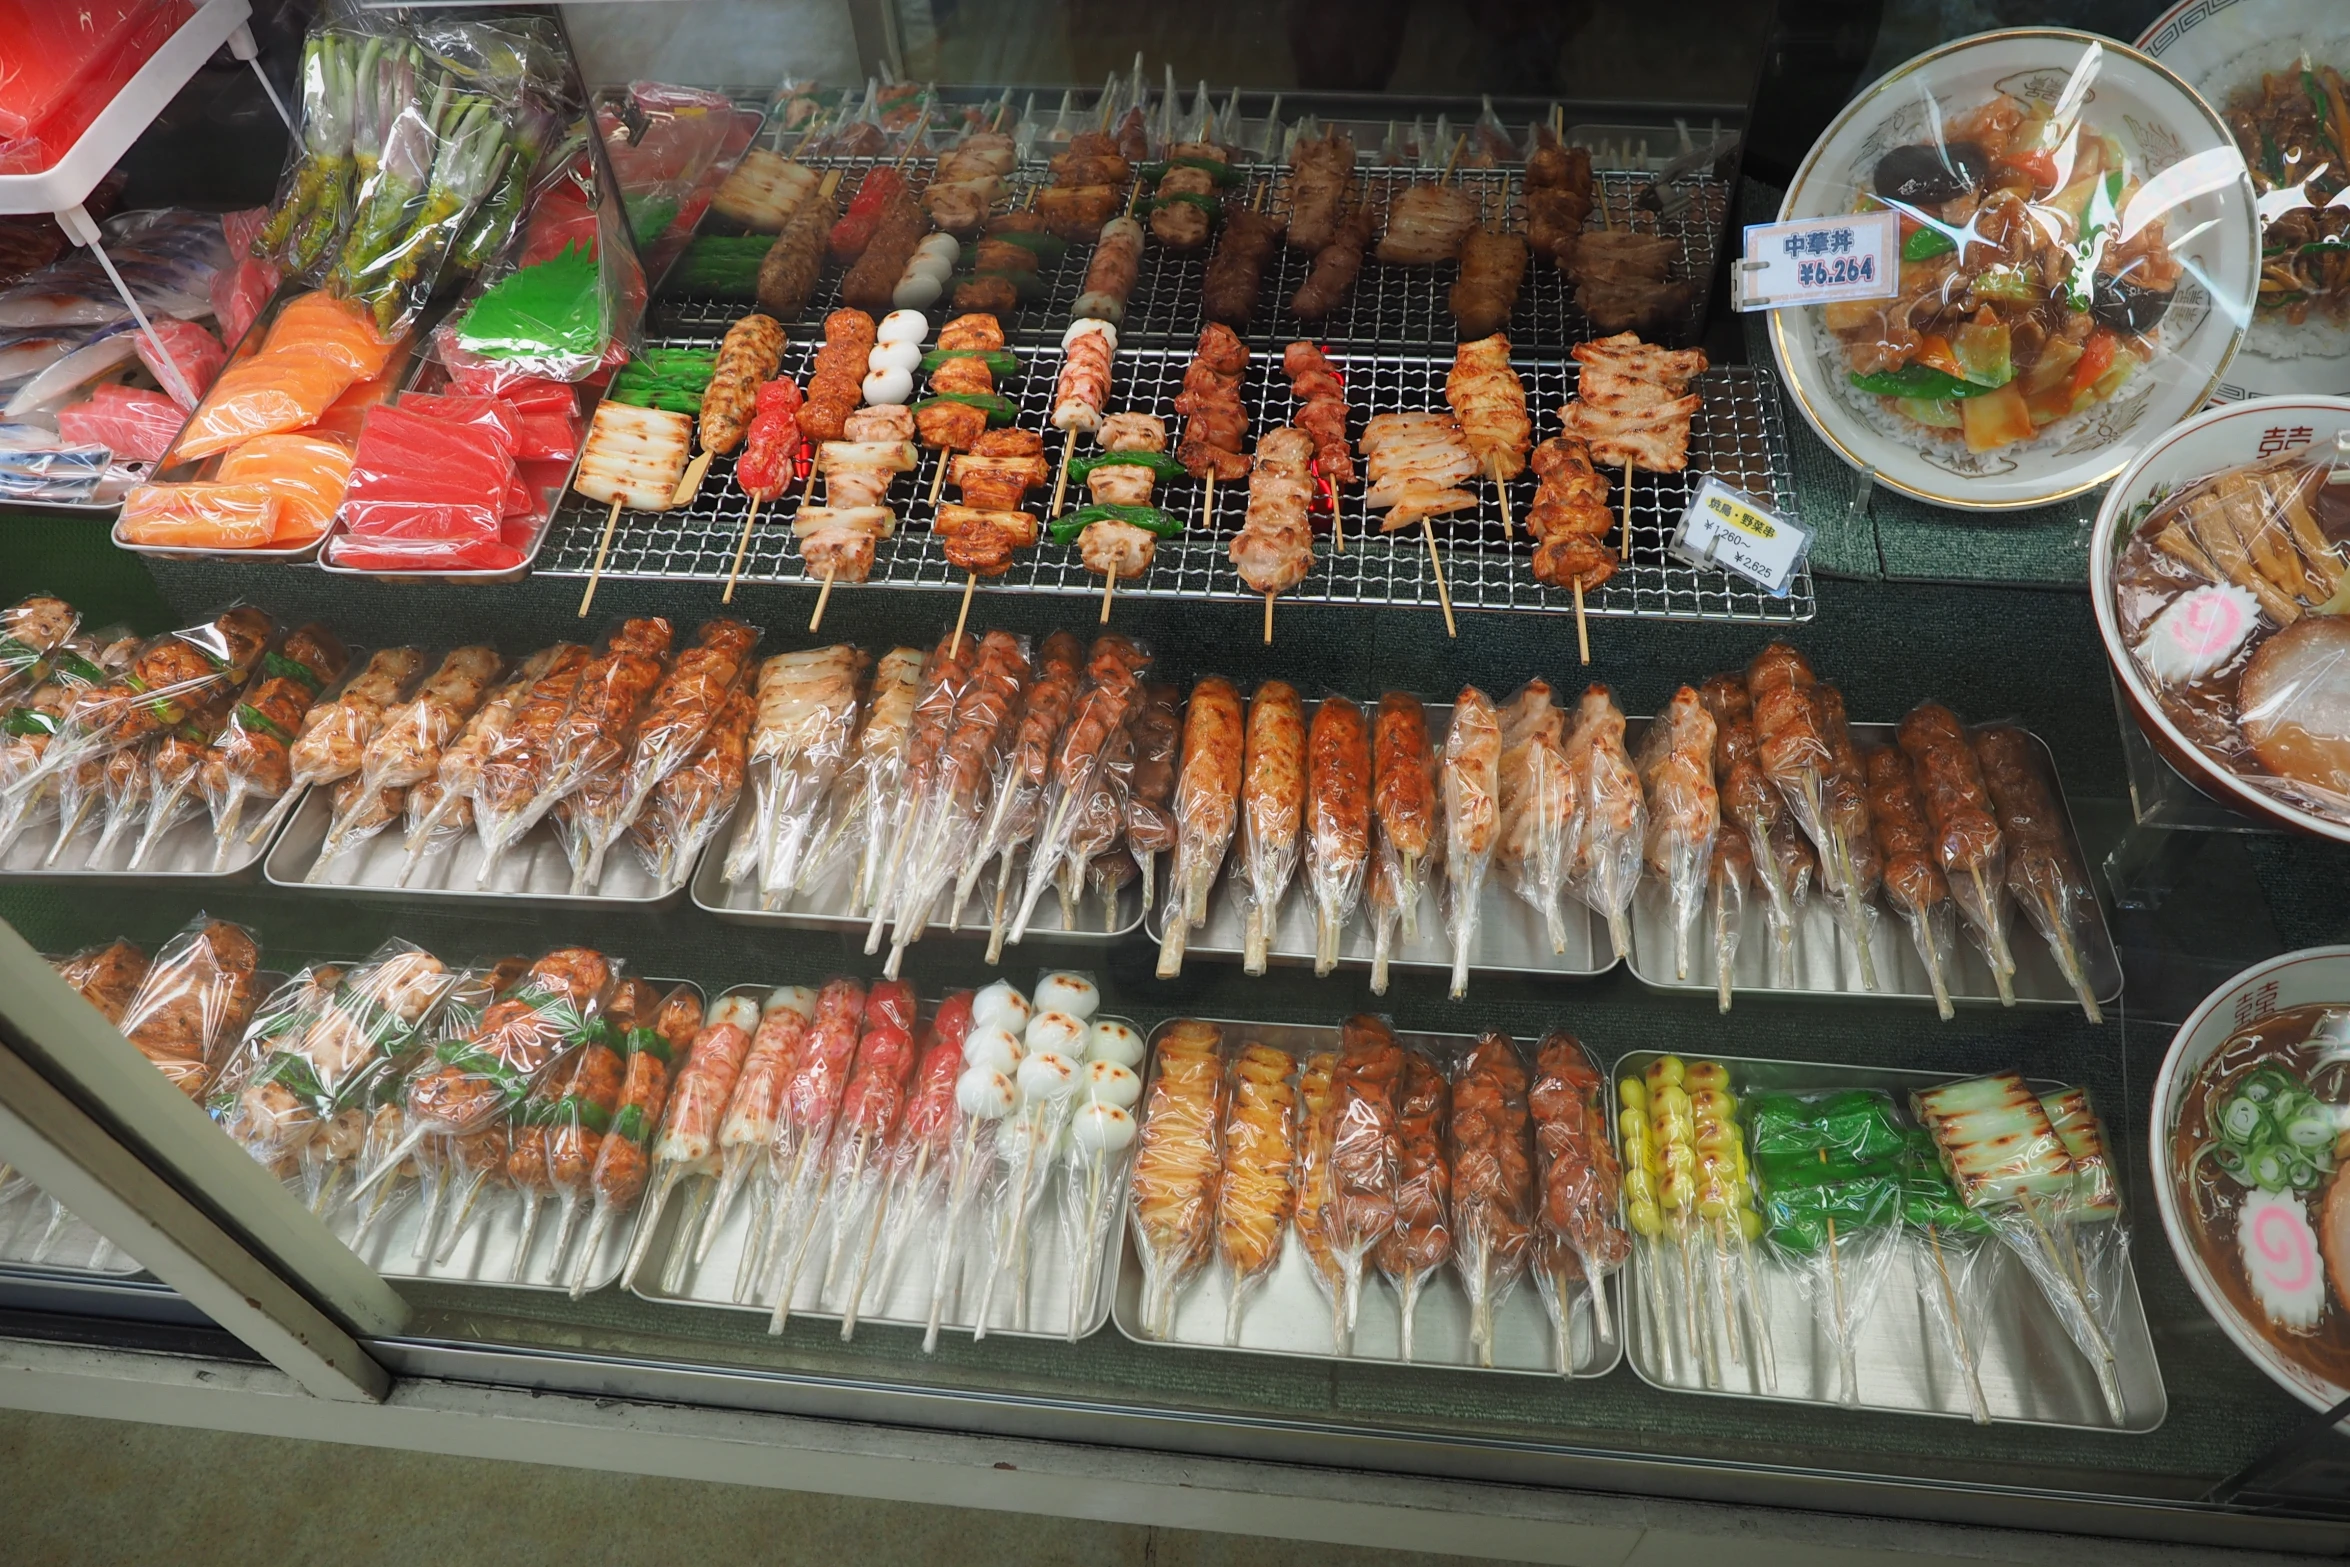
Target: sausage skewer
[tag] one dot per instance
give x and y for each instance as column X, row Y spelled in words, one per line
column 803, row 1126
column 876, row 1097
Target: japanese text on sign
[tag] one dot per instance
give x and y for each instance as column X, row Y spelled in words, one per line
column 1736, row 533
column 1817, row 261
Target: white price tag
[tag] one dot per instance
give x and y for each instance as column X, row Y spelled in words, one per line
column 1817, row 261
column 1726, row 528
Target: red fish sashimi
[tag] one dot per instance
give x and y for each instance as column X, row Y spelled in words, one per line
column 136, row 425
column 420, row 479
column 195, row 353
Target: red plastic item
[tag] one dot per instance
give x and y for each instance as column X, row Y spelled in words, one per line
column 483, row 413
column 529, row 394
column 416, row 480
column 242, row 290
column 62, row 63
column 195, row 353
column 134, row 424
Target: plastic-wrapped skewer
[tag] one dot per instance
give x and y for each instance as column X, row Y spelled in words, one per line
column 1684, row 812
column 1728, row 877
column 1016, row 802
column 946, row 672
column 1660, row 1190
column 193, row 1004
column 249, row 760
column 914, row 1166
column 747, row 1134
column 2011, row 1165
column 1365, row 1159
column 1579, row 1229
column 255, row 1096
column 854, row 828
column 128, row 793
column 1611, row 833
column 1151, row 828
column 677, row 719
column 686, row 1146
column 1493, row 1194
column 2041, row 871
column 560, row 1128
column 1723, row 1197
column 1255, row 1194
column 1540, row 806
column 32, row 629
column 407, row 749
column 506, row 774
column 1175, row 1174
column 332, row 742
column 441, row 809
column 1781, row 865
column 1912, row 875
column 655, row 1053
column 818, row 1101
column 174, row 765
column 1102, row 1129
column 1967, row 839
column 1207, row 807
column 1050, row 1073
column 1796, row 756
column 690, row 805
column 1847, row 803
column 1096, row 855
column 1471, row 780
column 806, row 717
column 870, row 1107
column 1421, row 1239
column 1337, row 821
column 1830, row 1167
column 803, row 1120
column 985, row 1094
column 1317, row 1187
column 1403, row 803
column 1086, row 801
column 1272, row 814
column 964, row 770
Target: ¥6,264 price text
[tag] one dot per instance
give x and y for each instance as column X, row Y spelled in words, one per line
column 1836, row 273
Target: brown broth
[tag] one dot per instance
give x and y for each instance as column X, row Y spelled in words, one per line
column 2209, row 1199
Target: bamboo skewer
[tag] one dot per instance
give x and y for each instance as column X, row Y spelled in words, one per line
column 1109, row 591
column 1627, row 511
column 970, row 584
column 596, row 572
column 1582, row 626
column 742, row 548
column 1501, row 493
column 1061, row 484
column 1269, row 619
column 823, row 595
column 1958, row 1339
column 1443, row 593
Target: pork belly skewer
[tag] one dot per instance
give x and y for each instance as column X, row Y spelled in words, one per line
column 1684, row 811
column 1493, row 1202
column 1612, row 833
column 251, row 757
column 745, row 1135
column 1016, row 806
column 1082, row 774
column 1780, row 863
column 806, row 713
column 1254, row 1195
column 1913, row 879
column 2041, row 871
column 1150, row 818
column 1365, row 1159
column 1207, row 807
column 803, row 1124
column 1541, row 806
column 1272, row 812
column 657, row 1059
column 1274, row 548
column 1421, row 1239
column 1580, row 1229
column 1175, row 1174
column 1403, row 802
column 1489, row 401
column 1967, row 840
column 407, row 749
column 441, row 807
column 957, row 800
column 334, row 735
column 839, row 537
column 687, row 1147
column 1471, row 779
column 917, row 1155
column 1337, row 821
column 1796, row 757
column 1321, row 415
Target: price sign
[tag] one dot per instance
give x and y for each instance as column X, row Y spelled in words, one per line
column 1817, row 261
column 1726, row 528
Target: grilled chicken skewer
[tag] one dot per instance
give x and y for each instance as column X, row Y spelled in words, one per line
column 1272, row 810
column 1612, row 832
column 1540, row 806
column 1796, row 757
column 1684, row 811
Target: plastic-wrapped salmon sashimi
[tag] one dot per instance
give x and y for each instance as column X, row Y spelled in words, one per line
column 264, row 395
column 307, row 473
column 336, row 330
column 200, row 515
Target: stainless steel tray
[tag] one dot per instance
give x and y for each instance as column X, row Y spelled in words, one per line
column 1511, row 938
column 1828, row 964
column 905, row 1297
column 25, row 1219
column 826, row 906
column 1289, row 1315
column 534, row 869
column 484, row 1254
column 2029, row 1370
column 180, row 856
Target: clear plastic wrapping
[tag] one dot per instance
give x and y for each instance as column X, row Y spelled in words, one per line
column 1404, row 806
column 1966, row 838
column 107, row 976
column 191, row 1008
column 852, row 831
column 1317, row 1187
column 406, row 748
column 272, row 1127
column 1365, row 1154
column 249, row 762
column 802, row 738
column 1471, row 781
column 871, row 1106
column 1578, row 1226
column 1015, row 811
column 1174, row 1202
column 1092, row 769
column 1100, row 1145
column 1051, row 1078
column 946, row 674
column 803, row 1138
column 1541, row 806
column 1831, row 1167
column 986, row 1093
column 1611, row 832
column 1728, row 879
column 1255, row 1191
column 690, row 805
column 1337, row 821
column 1797, row 755
column 1955, row 1273
column 1752, row 808
column 1487, row 1140
column 953, row 790
column 1272, row 813
column 557, row 1133
column 31, row 727
column 1422, row 1239
column 914, row 1166
column 2042, row 871
column 1684, row 812
column 1207, row 808
column 1912, row 874
column 440, row 809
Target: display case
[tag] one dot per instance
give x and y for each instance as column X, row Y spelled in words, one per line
column 1189, row 864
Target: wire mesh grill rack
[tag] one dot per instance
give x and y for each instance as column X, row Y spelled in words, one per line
column 1737, row 435
column 1390, row 306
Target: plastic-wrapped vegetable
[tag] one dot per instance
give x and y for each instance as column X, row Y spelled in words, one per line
column 1831, row 1168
